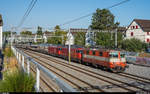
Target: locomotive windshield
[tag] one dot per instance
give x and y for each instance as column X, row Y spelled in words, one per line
column 113, row 54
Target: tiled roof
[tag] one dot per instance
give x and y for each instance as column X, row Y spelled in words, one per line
column 144, row 24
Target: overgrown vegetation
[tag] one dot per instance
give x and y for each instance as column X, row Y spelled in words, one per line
column 17, row 81
column 14, row 80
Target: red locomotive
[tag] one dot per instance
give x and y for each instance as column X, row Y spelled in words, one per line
column 103, row 58
column 106, row 59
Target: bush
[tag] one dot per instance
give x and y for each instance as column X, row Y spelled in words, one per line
column 133, row 44
column 17, row 82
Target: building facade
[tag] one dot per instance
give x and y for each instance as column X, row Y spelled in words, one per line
column 139, row 29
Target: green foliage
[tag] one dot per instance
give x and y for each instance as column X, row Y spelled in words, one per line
column 26, row 33
column 39, row 31
column 17, row 82
column 57, row 40
column 107, row 39
column 8, row 52
column 57, row 27
column 133, row 44
column 79, row 38
column 103, row 20
column 8, row 33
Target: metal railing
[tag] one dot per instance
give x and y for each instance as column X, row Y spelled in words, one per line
column 21, row 56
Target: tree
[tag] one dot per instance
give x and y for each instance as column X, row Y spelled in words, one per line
column 26, row 33
column 57, row 27
column 39, row 31
column 57, row 39
column 103, row 20
column 107, row 39
column 79, row 38
column 8, row 33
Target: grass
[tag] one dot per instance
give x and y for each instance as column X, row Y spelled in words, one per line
column 8, row 52
column 17, row 81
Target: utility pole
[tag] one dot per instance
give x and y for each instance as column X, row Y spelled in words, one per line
column 62, row 39
column 12, row 29
column 115, row 38
column 69, row 46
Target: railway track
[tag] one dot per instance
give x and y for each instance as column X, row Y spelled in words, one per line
column 50, row 87
column 95, row 74
column 75, row 85
column 136, row 77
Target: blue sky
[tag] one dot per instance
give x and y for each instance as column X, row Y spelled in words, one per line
column 49, row 13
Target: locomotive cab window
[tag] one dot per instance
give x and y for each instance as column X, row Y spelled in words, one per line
column 113, row 54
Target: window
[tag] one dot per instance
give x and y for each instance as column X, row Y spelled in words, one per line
column 136, row 27
column 133, row 27
column 147, row 40
column 131, row 33
column 87, row 52
column 100, row 53
column 114, row 55
column 122, row 55
column 77, row 51
column 147, row 33
column 93, row 52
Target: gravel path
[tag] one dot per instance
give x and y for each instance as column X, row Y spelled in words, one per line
column 139, row 70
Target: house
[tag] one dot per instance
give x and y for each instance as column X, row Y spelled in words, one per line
column 89, row 37
column 73, row 32
column 139, row 29
column 1, row 31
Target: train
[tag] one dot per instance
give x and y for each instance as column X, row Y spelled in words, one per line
column 106, row 59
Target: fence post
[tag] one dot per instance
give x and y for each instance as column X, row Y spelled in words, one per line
column 19, row 57
column 23, row 61
column 37, row 78
column 28, row 67
column 16, row 54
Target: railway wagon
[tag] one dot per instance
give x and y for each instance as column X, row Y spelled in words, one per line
column 52, row 50
column 76, row 54
column 106, row 59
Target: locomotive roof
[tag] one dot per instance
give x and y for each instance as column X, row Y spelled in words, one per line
column 102, row 49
